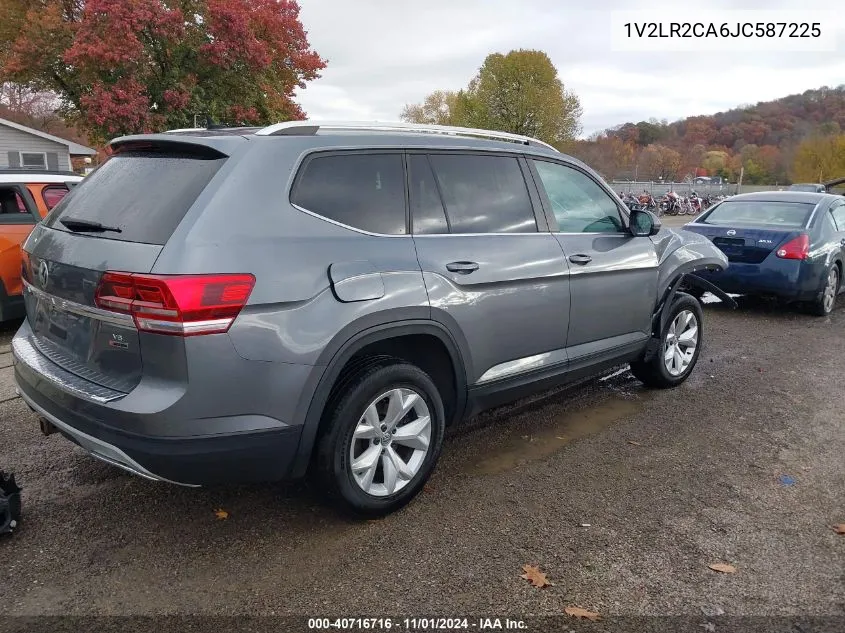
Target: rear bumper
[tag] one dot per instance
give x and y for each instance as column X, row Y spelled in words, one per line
column 786, row 279
column 241, row 449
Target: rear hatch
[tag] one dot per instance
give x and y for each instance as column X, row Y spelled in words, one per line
column 117, row 219
column 747, row 231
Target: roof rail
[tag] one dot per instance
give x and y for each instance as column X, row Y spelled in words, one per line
column 294, row 128
column 186, row 129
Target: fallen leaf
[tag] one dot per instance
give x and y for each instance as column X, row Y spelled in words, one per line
column 839, row 529
column 221, row 514
column 633, row 443
column 723, row 568
column 578, row 612
column 535, row 576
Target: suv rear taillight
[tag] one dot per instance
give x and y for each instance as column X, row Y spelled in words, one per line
column 797, row 248
column 184, row 305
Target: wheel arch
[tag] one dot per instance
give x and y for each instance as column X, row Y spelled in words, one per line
column 339, row 354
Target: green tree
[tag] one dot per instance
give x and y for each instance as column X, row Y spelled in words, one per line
column 519, row 92
column 819, row 158
column 438, row 108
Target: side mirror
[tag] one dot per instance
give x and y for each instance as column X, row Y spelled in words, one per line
column 643, row 223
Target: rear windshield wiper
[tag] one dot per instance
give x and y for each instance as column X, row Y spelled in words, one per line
column 75, row 224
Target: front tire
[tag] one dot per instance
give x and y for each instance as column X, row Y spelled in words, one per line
column 382, row 440
column 680, row 345
column 824, row 305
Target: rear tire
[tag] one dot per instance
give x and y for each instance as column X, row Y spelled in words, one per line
column 824, row 305
column 680, row 345
column 365, row 460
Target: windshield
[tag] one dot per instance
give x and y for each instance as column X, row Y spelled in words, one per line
column 760, row 212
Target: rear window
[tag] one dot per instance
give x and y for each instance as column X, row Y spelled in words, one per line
column 761, row 213
column 146, row 195
column 364, row 191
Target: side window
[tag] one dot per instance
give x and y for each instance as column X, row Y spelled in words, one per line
column 839, row 217
column 53, row 194
column 484, row 194
column 427, row 214
column 12, row 207
column 364, row 191
column 578, row 203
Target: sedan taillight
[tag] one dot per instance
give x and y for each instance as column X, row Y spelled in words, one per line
column 797, row 248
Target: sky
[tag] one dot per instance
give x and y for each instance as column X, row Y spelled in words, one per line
column 383, row 54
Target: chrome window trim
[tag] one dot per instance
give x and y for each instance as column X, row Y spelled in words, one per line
column 346, row 226
column 112, row 318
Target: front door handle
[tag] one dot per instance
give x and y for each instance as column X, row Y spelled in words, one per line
column 580, row 259
column 462, row 268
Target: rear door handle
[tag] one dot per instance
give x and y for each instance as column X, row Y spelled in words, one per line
column 462, row 268
column 580, row 259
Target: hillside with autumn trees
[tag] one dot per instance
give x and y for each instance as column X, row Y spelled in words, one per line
column 797, row 138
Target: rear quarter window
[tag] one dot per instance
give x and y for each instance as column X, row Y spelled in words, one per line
column 144, row 194
column 363, row 191
column 53, row 195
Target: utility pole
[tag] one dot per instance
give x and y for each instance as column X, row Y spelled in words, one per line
column 739, row 184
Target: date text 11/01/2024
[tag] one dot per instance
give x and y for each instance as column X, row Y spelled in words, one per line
column 417, row 624
column 724, row 30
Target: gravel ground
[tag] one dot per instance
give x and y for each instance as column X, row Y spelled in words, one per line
column 622, row 496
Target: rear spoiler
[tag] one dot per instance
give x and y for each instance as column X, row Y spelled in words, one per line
column 201, row 147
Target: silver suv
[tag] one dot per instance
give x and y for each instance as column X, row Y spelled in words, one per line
column 251, row 304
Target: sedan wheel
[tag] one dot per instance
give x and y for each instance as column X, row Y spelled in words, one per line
column 827, row 298
column 830, row 289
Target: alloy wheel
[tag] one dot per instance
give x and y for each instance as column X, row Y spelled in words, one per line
column 680, row 343
column 830, row 289
column 390, row 442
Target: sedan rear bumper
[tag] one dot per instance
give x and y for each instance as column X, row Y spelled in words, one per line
column 791, row 280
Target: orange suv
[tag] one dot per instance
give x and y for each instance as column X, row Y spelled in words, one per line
column 26, row 196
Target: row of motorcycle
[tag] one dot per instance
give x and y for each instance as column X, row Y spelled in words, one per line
column 671, row 203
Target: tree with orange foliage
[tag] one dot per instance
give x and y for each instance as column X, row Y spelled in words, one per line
column 127, row 66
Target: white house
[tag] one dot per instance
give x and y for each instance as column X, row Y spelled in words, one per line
column 25, row 147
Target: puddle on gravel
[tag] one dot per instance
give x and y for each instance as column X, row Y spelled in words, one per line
column 522, row 445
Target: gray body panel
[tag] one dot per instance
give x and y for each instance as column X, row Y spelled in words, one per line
column 323, row 290
column 519, row 278
column 622, row 271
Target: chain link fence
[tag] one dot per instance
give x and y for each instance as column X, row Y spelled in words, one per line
column 657, row 189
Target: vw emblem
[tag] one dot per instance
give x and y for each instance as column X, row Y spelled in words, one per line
column 731, row 232
column 43, row 273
